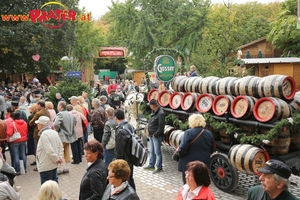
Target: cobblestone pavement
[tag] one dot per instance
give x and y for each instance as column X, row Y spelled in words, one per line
column 164, row 185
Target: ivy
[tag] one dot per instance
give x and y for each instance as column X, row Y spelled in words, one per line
column 176, row 122
column 217, row 125
column 144, row 109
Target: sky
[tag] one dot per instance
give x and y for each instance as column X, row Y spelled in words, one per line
column 100, row 7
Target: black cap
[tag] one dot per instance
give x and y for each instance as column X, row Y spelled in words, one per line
column 153, row 102
column 15, row 101
column 36, row 92
column 276, row 167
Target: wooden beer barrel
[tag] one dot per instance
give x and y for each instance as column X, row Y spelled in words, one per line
column 222, row 104
column 270, row 109
column 153, row 94
column 188, row 101
column 175, row 101
column 225, row 138
column 226, row 86
column 204, row 102
column 178, row 83
column 242, row 107
column 189, row 85
column 164, row 98
column 280, row 86
column 247, row 86
column 247, row 158
column 195, row 85
column 178, row 139
column 167, row 131
column 295, row 103
column 175, row 136
column 280, row 145
column 295, row 140
column 208, row 85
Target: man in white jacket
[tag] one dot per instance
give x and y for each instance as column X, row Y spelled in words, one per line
column 49, row 150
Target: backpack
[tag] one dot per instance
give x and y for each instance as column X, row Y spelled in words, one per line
column 138, row 153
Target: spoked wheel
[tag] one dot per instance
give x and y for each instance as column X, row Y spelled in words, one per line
column 223, row 175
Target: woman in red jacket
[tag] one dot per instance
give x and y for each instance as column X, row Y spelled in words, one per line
column 197, row 183
column 18, row 147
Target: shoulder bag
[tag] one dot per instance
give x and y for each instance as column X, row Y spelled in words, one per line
column 175, row 155
column 16, row 135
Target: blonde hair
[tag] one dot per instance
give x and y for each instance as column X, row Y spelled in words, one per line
column 80, row 99
column 120, row 168
column 197, row 120
column 49, row 191
column 192, row 67
column 49, row 105
column 32, row 108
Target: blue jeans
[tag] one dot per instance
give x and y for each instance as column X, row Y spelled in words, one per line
column 85, row 137
column 108, row 156
column 155, row 152
column 49, row 175
column 76, row 148
column 18, row 152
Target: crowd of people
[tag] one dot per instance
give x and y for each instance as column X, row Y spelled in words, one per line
column 52, row 135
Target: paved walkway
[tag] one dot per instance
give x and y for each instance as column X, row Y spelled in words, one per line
column 164, row 185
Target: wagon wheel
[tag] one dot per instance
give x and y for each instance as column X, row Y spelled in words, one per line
column 223, row 175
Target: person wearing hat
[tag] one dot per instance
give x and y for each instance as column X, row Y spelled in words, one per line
column 74, row 103
column 156, row 128
column 8, row 98
column 115, row 100
column 15, row 104
column 274, row 182
column 49, row 150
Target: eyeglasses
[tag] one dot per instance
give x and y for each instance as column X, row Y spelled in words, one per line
column 187, row 173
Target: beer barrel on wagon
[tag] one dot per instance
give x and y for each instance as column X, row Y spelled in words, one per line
column 226, row 86
column 295, row 140
column 167, row 132
column 270, row 109
column 164, row 98
column 175, row 100
column 153, row 94
column 225, row 138
column 178, row 83
column 188, row 101
column 280, row 86
column 247, row 158
column 208, row 85
column 279, row 145
column 175, row 137
column 192, row 84
column 242, row 107
column 247, row 86
column 204, row 102
column 221, row 104
column 295, row 103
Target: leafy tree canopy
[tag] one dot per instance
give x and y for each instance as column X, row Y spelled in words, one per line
column 22, row 39
column 284, row 34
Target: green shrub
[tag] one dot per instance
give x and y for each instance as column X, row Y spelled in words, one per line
column 67, row 88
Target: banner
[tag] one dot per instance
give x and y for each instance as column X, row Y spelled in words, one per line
column 298, row 15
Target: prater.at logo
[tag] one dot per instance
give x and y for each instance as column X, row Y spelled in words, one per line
column 52, row 15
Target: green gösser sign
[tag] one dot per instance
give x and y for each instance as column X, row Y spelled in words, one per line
column 164, row 67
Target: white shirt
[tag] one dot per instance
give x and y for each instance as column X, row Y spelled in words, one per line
column 189, row 195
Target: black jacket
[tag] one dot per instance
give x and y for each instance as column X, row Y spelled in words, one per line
column 93, row 182
column 156, row 124
column 127, row 194
column 122, row 150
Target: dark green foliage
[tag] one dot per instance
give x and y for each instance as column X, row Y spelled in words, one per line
column 67, row 88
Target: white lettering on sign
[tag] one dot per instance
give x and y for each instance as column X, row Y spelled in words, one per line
column 161, row 68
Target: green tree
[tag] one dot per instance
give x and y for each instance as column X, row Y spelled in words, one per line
column 142, row 25
column 22, row 39
column 284, row 34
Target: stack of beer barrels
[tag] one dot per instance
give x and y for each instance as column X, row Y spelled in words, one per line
column 264, row 99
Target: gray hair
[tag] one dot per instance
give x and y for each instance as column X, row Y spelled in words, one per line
column 96, row 101
column 103, row 98
column 280, row 178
